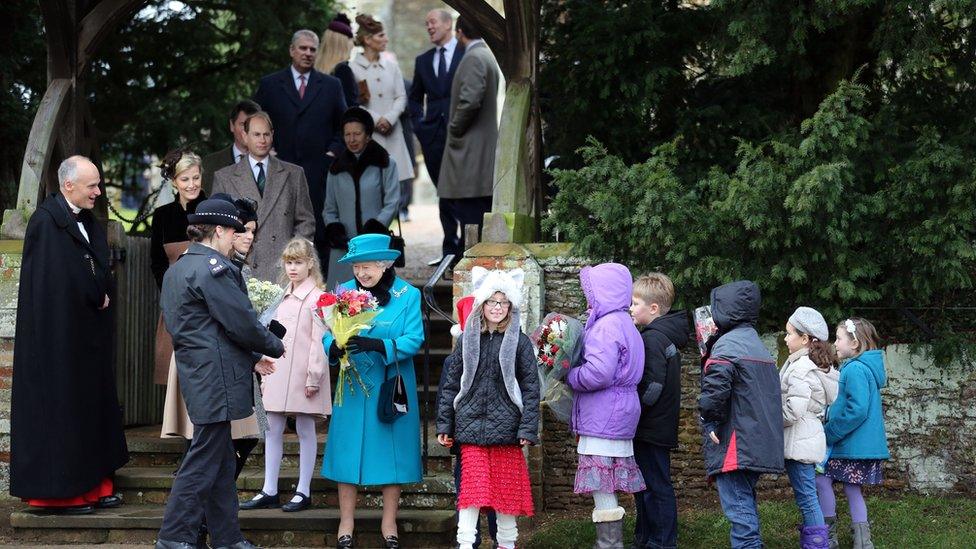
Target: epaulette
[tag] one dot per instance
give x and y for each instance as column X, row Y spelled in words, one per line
column 217, row 265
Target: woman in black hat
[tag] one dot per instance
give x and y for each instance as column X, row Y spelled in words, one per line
column 362, row 191
column 216, row 335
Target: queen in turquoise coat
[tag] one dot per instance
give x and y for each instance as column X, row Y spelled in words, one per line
column 360, row 449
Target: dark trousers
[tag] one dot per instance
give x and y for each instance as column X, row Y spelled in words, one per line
column 492, row 523
column 406, row 195
column 467, row 211
column 451, row 242
column 657, row 508
column 204, row 487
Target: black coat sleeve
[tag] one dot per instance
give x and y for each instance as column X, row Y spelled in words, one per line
column 158, row 262
column 229, row 306
column 655, row 369
column 447, row 389
column 350, row 90
column 336, row 144
column 528, row 379
column 415, row 98
column 716, row 390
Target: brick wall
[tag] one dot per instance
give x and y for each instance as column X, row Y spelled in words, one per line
column 10, row 253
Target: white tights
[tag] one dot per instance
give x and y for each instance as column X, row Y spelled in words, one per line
column 468, row 524
column 273, row 448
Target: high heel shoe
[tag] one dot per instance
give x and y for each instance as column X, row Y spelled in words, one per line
column 392, row 542
column 345, row 542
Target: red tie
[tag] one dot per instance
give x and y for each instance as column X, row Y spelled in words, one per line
column 301, row 87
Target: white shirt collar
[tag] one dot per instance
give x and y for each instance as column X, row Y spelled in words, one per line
column 236, row 152
column 450, row 46
column 254, row 163
column 295, row 74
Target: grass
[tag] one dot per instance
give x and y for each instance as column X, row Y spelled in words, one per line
column 912, row 521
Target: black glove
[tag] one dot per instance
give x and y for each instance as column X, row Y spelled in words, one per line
column 335, row 233
column 362, row 344
column 335, row 353
column 277, row 329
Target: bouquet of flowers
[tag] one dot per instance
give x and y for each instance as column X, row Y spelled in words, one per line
column 559, row 347
column 704, row 327
column 346, row 313
column 265, row 297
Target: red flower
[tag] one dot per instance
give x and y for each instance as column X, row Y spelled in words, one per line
column 565, row 363
column 326, row 300
column 555, row 349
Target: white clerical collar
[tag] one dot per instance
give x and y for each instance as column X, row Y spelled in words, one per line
column 74, row 209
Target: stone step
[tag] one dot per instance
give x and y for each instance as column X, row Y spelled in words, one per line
column 151, row 485
column 146, row 449
column 266, row 527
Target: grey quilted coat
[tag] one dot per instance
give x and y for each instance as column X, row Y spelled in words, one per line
column 485, row 415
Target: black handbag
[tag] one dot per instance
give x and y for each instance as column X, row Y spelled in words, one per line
column 393, row 394
column 396, row 240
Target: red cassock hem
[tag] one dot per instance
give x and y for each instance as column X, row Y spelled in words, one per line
column 104, row 489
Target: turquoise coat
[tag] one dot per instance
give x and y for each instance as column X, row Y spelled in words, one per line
column 361, row 449
column 855, row 421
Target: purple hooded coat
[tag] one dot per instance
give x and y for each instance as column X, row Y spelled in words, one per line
column 605, row 401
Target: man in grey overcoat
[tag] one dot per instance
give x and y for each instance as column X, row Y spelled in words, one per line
column 468, row 169
column 281, row 193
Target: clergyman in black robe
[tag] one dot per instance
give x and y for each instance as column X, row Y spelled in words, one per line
column 66, row 437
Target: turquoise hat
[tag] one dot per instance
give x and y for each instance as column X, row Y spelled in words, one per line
column 369, row 247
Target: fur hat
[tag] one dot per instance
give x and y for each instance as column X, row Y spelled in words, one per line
column 485, row 283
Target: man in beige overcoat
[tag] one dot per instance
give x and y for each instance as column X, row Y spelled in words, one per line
column 468, row 169
column 280, row 190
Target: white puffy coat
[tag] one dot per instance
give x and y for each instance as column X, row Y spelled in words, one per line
column 807, row 391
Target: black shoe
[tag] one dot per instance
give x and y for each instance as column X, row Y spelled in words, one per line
column 345, row 542
column 392, row 542
column 74, row 510
column 109, row 502
column 263, row 501
column 300, row 505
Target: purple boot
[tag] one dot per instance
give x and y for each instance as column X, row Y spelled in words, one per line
column 814, row 537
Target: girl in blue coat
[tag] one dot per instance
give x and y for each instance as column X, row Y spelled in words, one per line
column 855, row 428
column 362, row 450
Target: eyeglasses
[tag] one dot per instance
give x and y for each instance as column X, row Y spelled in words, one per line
column 492, row 304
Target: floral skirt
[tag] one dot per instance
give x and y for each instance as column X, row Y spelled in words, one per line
column 607, row 474
column 496, row 477
column 854, row 471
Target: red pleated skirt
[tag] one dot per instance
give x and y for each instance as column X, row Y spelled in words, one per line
column 104, row 489
column 495, row 477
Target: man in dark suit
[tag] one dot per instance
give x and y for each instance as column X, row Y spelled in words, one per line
column 234, row 152
column 429, row 102
column 305, row 107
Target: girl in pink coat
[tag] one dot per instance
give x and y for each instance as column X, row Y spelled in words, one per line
column 300, row 384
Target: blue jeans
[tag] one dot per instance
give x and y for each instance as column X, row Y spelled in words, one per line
column 657, row 508
column 737, row 492
column 802, row 477
column 492, row 523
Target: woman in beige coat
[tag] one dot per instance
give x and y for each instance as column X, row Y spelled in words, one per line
column 382, row 92
column 299, row 386
column 808, row 381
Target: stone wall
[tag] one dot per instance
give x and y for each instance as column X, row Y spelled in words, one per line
column 10, row 253
column 930, row 415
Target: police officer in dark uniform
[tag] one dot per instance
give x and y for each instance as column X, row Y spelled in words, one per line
column 218, row 343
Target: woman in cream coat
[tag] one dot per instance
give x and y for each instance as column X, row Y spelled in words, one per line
column 386, row 97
